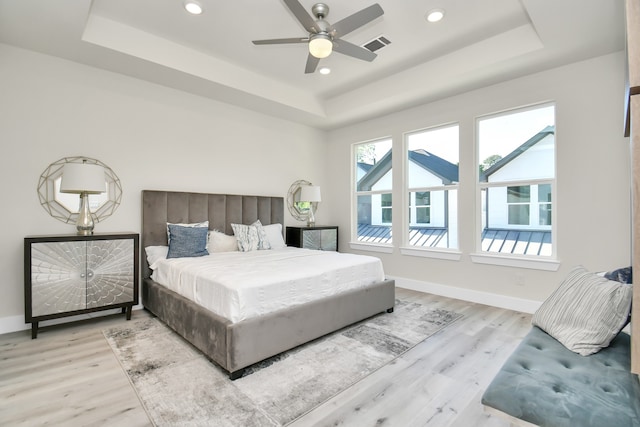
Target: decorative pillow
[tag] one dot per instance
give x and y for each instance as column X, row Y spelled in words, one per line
column 247, row 236
column 251, row 237
column 263, row 240
column 274, row 236
column 204, row 224
column 187, row 241
column 622, row 275
column 586, row 311
column 155, row 254
column 220, row 242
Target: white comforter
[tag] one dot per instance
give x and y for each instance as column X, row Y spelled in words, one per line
column 241, row 285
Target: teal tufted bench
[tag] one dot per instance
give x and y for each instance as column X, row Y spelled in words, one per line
column 545, row 384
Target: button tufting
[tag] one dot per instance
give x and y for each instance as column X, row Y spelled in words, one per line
column 606, row 389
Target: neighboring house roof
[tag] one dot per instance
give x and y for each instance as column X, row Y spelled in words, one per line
column 519, row 242
column 438, row 166
column 366, row 167
column 377, row 171
column 549, row 130
column 374, row 233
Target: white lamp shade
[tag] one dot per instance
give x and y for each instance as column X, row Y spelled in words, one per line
column 83, row 178
column 310, row 193
column 320, row 46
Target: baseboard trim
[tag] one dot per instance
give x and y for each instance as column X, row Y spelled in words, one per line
column 464, row 294
column 16, row 323
column 13, row 324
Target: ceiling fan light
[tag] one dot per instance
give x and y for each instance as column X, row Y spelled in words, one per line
column 193, row 7
column 320, row 46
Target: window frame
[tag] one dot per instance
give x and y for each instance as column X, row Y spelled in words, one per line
column 448, row 253
column 355, row 194
column 539, row 262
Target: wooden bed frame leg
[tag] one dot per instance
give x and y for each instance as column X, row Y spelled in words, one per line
column 390, row 310
column 236, row 374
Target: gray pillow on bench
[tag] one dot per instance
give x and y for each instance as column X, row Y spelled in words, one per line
column 586, row 311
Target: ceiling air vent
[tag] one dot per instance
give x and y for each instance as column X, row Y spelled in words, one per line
column 377, row 43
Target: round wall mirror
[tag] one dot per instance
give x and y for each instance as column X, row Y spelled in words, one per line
column 64, row 206
column 299, row 210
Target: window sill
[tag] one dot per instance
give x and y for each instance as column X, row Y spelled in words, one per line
column 387, row 249
column 450, row 255
column 546, row 264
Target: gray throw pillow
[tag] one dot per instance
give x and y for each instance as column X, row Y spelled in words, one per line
column 586, row 311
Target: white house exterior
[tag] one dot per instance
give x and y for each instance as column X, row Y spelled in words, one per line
column 534, row 162
column 428, row 174
column 519, row 206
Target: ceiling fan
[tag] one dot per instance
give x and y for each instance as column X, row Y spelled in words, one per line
column 323, row 37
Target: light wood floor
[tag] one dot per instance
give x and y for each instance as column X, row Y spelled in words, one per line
column 69, row 376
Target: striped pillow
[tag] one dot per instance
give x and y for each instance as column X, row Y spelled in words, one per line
column 586, row 311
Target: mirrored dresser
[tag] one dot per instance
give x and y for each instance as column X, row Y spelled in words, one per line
column 324, row 238
column 75, row 274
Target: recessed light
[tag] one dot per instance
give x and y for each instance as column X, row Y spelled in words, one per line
column 434, row 15
column 324, row 70
column 193, row 7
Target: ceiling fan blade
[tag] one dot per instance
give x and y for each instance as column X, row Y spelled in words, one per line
column 283, row 41
column 351, row 49
column 357, row 20
column 303, row 16
column 312, row 64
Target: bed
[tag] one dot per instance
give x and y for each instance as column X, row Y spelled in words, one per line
column 235, row 345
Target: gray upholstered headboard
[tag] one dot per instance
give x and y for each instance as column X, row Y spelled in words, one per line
column 160, row 207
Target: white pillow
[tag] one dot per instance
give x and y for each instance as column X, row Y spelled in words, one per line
column 155, row 254
column 586, row 311
column 220, row 242
column 274, row 236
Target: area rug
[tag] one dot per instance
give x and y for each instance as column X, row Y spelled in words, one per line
column 178, row 385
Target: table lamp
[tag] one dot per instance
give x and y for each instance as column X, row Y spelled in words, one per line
column 311, row 194
column 83, row 179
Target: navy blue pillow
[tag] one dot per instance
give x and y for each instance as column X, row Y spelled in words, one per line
column 187, row 241
column 623, row 275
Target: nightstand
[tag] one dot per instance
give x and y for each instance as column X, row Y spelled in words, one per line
column 320, row 238
column 76, row 274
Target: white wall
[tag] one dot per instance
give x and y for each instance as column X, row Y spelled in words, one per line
column 158, row 138
column 592, row 164
column 151, row 136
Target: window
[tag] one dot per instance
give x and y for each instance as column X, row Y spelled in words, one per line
column 385, row 208
column 518, row 204
column 544, row 204
column 432, row 177
column 516, row 153
column 373, row 191
column 420, row 207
